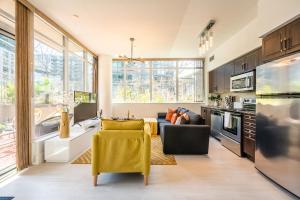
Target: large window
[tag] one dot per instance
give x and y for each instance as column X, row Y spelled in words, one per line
column 60, row 67
column 7, row 89
column 158, row 81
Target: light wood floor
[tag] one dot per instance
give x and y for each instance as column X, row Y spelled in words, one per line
column 220, row 175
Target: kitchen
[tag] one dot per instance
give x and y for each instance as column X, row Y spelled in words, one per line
column 256, row 108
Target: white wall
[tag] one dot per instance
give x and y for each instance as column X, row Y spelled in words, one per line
column 105, row 80
column 141, row 110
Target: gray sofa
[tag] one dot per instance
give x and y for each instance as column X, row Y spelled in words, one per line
column 191, row 138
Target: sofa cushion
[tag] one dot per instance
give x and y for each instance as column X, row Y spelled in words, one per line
column 108, row 124
column 194, row 118
column 161, row 120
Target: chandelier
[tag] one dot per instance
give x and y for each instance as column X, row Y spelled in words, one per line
column 131, row 60
column 206, row 38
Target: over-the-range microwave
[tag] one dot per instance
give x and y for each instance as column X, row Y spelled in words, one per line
column 243, row 82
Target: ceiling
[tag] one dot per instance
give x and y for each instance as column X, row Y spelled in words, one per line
column 162, row 28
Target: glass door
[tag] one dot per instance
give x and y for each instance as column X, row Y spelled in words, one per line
column 7, row 104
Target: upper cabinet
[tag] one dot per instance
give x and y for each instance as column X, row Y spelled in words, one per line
column 283, row 41
column 216, row 80
column 247, row 62
column 228, row 72
column 293, row 36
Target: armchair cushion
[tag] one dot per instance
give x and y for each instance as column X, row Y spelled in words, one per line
column 108, row 124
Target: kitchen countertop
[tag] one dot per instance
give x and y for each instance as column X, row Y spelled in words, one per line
column 230, row 110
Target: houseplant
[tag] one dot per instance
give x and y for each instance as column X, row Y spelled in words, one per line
column 216, row 99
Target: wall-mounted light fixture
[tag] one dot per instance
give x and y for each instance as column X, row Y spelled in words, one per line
column 206, row 38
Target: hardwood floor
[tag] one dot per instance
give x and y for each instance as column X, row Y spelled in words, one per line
column 220, row 175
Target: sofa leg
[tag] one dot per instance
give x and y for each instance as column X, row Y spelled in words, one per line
column 95, row 180
column 145, row 180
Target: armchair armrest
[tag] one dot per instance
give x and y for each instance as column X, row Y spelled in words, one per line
column 147, row 149
column 161, row 115
column 95, row 154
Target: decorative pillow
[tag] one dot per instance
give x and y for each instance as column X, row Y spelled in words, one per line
column 180, row 120
column 170, row 114
column 178, row 109
column 174, row 117
column 186, row 117
column 182, row 111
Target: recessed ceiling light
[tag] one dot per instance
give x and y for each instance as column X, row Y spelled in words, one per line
column 77, row 16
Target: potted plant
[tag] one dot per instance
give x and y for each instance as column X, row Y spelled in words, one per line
column 216, row 99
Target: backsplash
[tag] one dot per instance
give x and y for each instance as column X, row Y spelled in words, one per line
column 237, row 95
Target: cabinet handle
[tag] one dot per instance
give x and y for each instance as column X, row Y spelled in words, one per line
column 243, row 66
column 289, row 43
column 285, row 44
column 280, row 45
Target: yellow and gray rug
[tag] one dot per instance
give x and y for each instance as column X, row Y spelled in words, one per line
column 157, row 155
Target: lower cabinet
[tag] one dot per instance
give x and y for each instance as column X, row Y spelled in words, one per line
column 205, row 113
column 249, row 133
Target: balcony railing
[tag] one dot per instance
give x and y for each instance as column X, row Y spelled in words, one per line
column 7, row 151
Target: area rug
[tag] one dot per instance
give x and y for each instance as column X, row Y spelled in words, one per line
column 157, row 155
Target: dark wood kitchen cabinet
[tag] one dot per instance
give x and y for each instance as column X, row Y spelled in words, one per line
column 293, row 36
column 212, row 81
column 239, row 64
column 249, row 134
column 216, row 80
column 272, row 45
column 205, row 113
column 228, row 72
column 220, row 80
column 281, row 42
column 247, row 62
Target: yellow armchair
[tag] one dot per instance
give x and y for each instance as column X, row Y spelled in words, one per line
column 122, row 146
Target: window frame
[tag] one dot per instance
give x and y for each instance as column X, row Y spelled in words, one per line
column 177, row 68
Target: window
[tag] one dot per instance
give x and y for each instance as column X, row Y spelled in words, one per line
column 7, row 89
column 89, row 73
column 60, row 67
column 48, row 74
column 158, row 81
column 163, row 81
column 75, row 73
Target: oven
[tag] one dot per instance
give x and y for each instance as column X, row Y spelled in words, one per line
column 231, row 132
column 243, row 82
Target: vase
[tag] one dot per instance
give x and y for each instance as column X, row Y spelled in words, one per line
column 64, row 129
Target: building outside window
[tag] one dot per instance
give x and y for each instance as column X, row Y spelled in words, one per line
column 158, row 81
column 90, row 72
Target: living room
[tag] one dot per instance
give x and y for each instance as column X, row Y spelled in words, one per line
column 172, row 99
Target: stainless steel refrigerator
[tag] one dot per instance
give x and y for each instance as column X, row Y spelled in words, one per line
column 277, row 152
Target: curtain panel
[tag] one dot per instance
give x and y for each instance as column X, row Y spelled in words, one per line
column 95, row 78
column 24, row 65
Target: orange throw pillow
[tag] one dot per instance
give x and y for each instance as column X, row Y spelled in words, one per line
column 170, row 114
column 174, row 117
